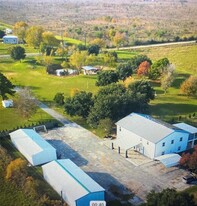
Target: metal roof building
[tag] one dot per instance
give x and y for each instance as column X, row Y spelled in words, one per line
column 10, row 40
column 72, row 183
column 35, row 149
column 149, row 136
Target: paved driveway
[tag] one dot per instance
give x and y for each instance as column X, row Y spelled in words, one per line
column 111, row 170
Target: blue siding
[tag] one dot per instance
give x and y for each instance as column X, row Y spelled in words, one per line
column 175, row 147
column 85, row 201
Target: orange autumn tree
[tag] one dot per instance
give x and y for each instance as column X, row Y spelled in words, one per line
column 190, row 160
column 143, row 69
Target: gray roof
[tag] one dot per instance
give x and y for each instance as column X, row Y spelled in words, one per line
column 146, row 127
column 186, row 127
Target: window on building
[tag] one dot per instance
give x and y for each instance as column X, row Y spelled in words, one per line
column 120, row 129
column 162, row 153
column 179, row 148
column 147, row 142
column 181, row 139
column 172, row 141
column 163, row 144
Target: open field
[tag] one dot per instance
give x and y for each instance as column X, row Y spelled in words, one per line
column 142, row 20
column 169, row 106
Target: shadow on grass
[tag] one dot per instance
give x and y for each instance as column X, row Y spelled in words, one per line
column 173, row 109
column 179, row 80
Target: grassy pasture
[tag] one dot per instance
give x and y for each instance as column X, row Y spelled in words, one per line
column 70, row 40
column 45, row 86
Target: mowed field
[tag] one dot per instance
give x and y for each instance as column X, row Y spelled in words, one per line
column 166, row 106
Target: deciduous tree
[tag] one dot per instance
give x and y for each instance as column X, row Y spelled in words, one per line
column 94, row 49
column 167, row 77
column 17, row 53
column 2, row 33
column 119, row 39
column 79, row 104
column 34, row 36
column 106, row 77
column 124, row 71
column 143, row 69
column 6, row 87
column 20, row 29
column 78, row 59
column 16, row 171
column 169, row 197
column 189, row 86
column 158, row 67
column 59, row 98
column 26, row 103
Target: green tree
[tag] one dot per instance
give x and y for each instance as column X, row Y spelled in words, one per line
column 34, row 36
column 169, row 197
column 17, row 53
column 111, row 101
column 106, row 125
column 20, row 29
column 189, row 86
column 6, row 87
column 124, row 70
column 2, row 34
column 94, row 49
column 158, row 68
column 59, row 98
column 137, row 60
column 110, row 58
column 106, row 77
column 79, row 104
column 78, row 59
column 142, row 91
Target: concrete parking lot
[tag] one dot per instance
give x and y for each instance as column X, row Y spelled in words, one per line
column 118, row 175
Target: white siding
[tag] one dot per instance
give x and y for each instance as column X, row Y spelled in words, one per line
column 149, row 148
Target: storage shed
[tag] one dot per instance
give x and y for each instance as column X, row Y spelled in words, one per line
column 7, row 103
column 73, row 184
column 35, row 149
column 10, row 40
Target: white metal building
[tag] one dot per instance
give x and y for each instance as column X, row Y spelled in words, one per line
column 149, row 136
column 10, row 40
column 72, row 183
column 192, row 141
column 35, row 149
column 7, row 103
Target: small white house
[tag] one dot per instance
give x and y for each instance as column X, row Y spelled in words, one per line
column 72, row 183
column 10, row 40
column 35, row 149
column 7, row 103
column 149, row 136
column 88, row 70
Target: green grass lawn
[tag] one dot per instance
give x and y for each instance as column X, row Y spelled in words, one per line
column 5, row 48
column 45, row 86
column 70, row 40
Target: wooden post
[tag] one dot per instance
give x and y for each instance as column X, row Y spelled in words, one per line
column 112, row 145
column 126, row 154
column 118, row 150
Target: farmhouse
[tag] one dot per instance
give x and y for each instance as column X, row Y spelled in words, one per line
column 35, row 149
column 87, row 70
column 10, row 40
column 74, row 185
column 149, row 136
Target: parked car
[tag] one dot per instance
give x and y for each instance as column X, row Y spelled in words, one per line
column 189, row 179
